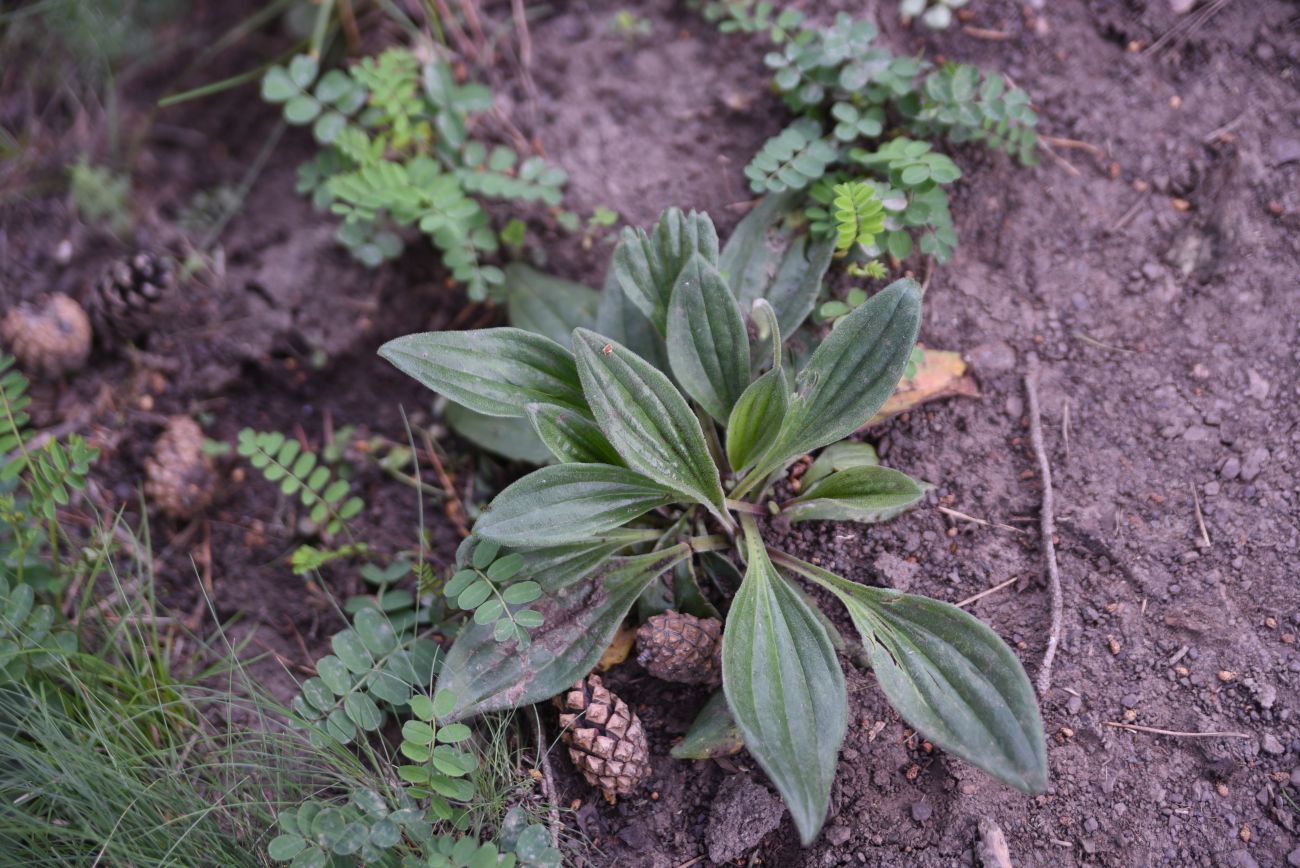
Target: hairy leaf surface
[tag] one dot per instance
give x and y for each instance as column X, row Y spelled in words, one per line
column 785, row 688
column 851, row 374
column 569, row 503
column 571, row 436
column 647, row 266
column 646, row 419
column 756, row 419
column 949, row 676
column 494, row 371
column 761, row 260
column 865, row 494
column 708, row 345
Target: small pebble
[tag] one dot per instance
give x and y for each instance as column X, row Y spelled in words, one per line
column 921, row 811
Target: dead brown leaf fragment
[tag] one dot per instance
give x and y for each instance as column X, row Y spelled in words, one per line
column 941, row 374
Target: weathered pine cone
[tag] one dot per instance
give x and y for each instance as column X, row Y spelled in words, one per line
column 605, row 738
column 50, row 337
column 179, row 478
column 683, row 648
column 132, row 295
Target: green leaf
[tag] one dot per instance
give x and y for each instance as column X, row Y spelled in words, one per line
column 647, row 266
column 620, row 319
column 422, row 707
column 580, row 621
column 713, row 734
column 362, row 711
column 554, row 567
column 494, row 371
column 352, row 651
column 784, row 687
column 761, row 260
column 301, row 109
column 277, row 86
column 949, row 676
column 284, row 847
column 840, row 456
column 303, row 69
column 851, row 374
column 571, row 436
column 863, row 494
column 522, row 593
column 569, row 503
column 756, row 419
column 510, row 438
column 708, row 345
column 647, row 420
column 375, row 631
column 548, row 305
column 418, row 732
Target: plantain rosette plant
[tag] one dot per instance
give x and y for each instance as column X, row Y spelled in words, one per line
column 671, row 427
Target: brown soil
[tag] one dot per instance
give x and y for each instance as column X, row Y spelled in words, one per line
column 1166, row 320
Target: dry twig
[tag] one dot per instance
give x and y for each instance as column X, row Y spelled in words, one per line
column 987, row 591
column 1200, row 519
column 1047, row 526
column 1151, row 730
column 985, row 33
column 964, row 517
column 452, row 506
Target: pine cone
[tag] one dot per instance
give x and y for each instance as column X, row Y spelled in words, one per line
column 50, row 337
column 179, row 478
column 681, row 648
column 133, row 294
column 605, row 738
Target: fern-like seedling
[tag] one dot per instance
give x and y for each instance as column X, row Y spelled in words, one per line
column 438, row 768
column 298, row 472
column 481, row 589
column 859, row 215
column 372, row 667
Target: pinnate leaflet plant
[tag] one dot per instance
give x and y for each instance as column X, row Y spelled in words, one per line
column 397, row 150
column 672, row 423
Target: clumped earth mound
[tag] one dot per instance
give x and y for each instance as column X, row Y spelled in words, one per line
column 1150, row 266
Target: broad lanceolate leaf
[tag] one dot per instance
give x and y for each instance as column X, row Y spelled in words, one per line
column 508, row 437
column 851, row 374
column 569, row 503
column 558, row 566
column 865, row 494
column 619, row 319
column 548, row 305
column 708, row 345
column 571, row 436
column 756, row 419
column 760, row 260
column 646, row 419
column 840, row 456
column 949, row 676
column 784, row 687
column 580, row 621
column 646, row 266
column 494, row 371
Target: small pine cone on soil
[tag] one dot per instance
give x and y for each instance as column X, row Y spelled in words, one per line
column 133, row 294
column 682, row 648
column 179, row 479
column 49, row 337
column 605, row 738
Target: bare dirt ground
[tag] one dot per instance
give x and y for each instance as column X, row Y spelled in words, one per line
column 1152, row 272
